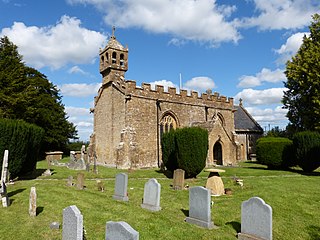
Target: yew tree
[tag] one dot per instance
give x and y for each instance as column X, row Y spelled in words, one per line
column 27, row 94
column 302, row 97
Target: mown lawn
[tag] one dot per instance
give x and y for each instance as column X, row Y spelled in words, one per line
column 293, row 196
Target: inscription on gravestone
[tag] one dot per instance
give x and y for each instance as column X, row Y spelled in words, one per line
column 121, row 186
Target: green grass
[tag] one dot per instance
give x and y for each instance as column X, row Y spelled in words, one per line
column 294, row 198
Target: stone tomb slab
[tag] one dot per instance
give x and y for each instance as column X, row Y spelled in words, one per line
column 178, row 179
column 120, row 230
column 151, row 195
column 200, row 207
column 256, row 220
column 121, row 186
column 72, row 226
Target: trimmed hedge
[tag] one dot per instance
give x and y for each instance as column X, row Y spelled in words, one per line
column 275, row 152
column 185, row 148
column 23, row 140
column 307, row 150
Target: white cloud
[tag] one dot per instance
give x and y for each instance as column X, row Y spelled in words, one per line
column 265, row 75
column 164, row 83
column 203, row 21
column 79, row 89
column 290, row 48
column 274, row 117
column 76, row 69
column 200, row 84
column 281, row 14
column 261, row 97
column 57, row 45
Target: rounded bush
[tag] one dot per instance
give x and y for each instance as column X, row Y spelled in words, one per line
column 275, row 152
column 168, row 146
column 307, row 150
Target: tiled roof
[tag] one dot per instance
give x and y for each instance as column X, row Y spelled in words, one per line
column 243, row 121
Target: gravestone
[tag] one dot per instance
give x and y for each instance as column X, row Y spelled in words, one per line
column 120, row 189
column 200, row 207
column 76, row 164
column 70, row 181
column 256, row 220
column 178, row 179
column 4, row 172
column 54, row 225
column 151, row 195
column 4, row 196
column 120, row 230
column 100, row 186
column 72, row 225
column 80, row 181
column 33, row 202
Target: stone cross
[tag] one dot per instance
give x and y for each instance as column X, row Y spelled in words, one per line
column 4, row 195
column 151, row 195
column 121, row 186
column 200, row 207
column 72, row 225
column 33, row 202
column 4, row 172
column 120, row 230
column 178, row 179
column 80, row 181
column 256, row 220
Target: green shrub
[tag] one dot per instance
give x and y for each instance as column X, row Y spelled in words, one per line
column 23, row 140
column 275, row 152
column 185, row 148
column 307, row 150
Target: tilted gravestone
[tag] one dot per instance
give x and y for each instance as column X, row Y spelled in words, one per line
column 80, row 181
column 120, row 230
column 200, row 207
column 151, row 195
column 178, row 179
column 33, row 202
column 4, row 172
column 4, row 196
column 72, row 225
column 121, row 186
column 256, row 220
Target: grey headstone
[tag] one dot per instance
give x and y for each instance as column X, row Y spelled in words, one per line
column 120, row 230
column 33, row 202
column 151, row 195
column 121, row 186
column 54, row 225
column 72, row 226
column 4, row 196
column 256, row 219
column 4, row 172
column 178, row 179
column 200, row 207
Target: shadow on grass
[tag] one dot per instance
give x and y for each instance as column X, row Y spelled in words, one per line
column 167, row 173
column 300, row 171
column 10, row 194
column 236, row 225
column 314, row 232
column 33, row 175
column 39, row 210
column 185, row 212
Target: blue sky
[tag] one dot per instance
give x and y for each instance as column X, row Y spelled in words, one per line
column 237, row 48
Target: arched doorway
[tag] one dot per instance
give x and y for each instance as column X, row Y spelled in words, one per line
column 217, row 153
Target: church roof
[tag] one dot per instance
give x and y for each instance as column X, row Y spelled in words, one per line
column 244, row 122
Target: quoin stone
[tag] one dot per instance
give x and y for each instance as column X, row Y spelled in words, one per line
column 33, row 202
column 120, row 230
column 72, row 226
column 256, row 220
column 4, row 172
column 121, row 187
column 151, row 195
column 200, row 207
column 178, row 179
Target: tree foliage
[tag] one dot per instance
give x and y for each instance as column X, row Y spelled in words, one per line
column 27, row 94
column 302, row 99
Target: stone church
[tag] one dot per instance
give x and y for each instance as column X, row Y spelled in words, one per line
column 129, row 120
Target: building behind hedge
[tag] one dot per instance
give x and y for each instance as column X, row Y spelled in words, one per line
column 129, row 120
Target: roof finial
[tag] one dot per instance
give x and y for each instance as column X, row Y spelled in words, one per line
column 113, row 30
column 240, row 102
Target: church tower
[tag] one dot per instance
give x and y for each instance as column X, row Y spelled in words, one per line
column 113, row 61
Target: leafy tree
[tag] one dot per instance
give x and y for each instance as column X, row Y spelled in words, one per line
column 302, row 99
column 27, row 94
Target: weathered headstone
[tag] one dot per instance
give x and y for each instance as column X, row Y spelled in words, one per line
column 178, row 179
column 200, row 207
column 54, row 225
column 100, row 186
column 256, row 220
column 70, row 181
column 120, row 230
column 80, row 181
column 4, row 195
column 72, row 226
column 151, row 195
column 76, row 164
column 4, row 172
column 33, row 202
column 121, row 186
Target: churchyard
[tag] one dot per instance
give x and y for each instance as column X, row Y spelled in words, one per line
column 292, row 195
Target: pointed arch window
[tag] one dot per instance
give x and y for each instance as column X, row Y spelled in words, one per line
column 167, row 123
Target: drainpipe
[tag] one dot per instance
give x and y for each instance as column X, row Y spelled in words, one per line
column 158, row 140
